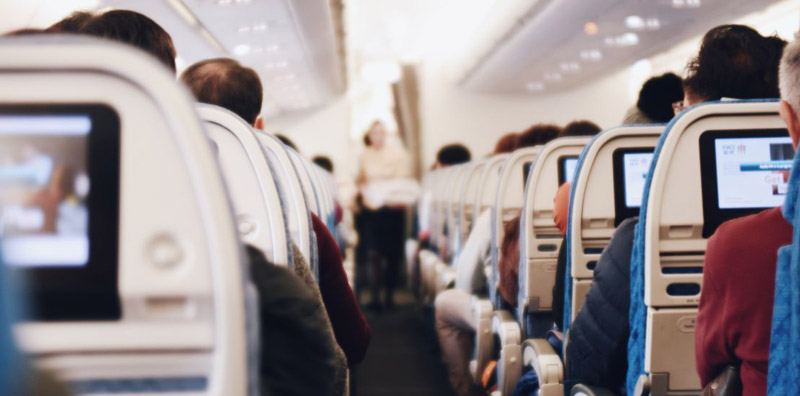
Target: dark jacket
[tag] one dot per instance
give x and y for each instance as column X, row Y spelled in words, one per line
column 597, row 352
column 298, row 356
column 558, row 288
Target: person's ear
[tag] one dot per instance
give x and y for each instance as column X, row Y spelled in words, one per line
column 259, row 124
column 790, row 117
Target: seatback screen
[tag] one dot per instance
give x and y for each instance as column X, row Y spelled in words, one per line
column 566, row 169
column 59, row 207
column 44, row 186
column 631, row 166
column 752, row 172
column 743, row 172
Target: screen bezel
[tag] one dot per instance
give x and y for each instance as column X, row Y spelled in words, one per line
column 89, row 292
column 621, row 210
column 713, row 216
column 562, row 168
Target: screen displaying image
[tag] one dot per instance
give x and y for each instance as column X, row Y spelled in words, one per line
column 635, row 168
column 569, row 166
column 752, row 172
column 44, row 188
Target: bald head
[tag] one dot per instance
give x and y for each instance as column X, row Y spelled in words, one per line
column 226, row 83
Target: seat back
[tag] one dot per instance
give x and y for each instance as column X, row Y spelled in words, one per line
column 466, row 217
column 440, row 205
column 510, row 189
column 540, row 239
column 313, row 197
column 784, row 371
column 297, row 211
column 151, row 245
column 453, row 202
column 601, row 198
column 486, row 191
column 703, row 160
column 256, row 196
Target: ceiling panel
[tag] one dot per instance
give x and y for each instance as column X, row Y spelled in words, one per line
column 565, row 43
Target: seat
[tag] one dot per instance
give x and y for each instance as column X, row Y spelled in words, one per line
column 163, row 248
column 482, row 307
column 297, row 212
column 467, row 216
column 508, row 204
column 783, row 375
column 594, row 213
column 540, row 239
column 445, row 271
column 685, row 199
column 256, row 196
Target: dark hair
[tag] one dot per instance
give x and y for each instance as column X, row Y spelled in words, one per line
column 453, row 154
column 133, row 28
column 580, row 128
column 73, row 23
column 285, row 140
column 657, row 96
column 506, row 144
column 537, row 135
column 323, row 162
column 226, row 83
column 735, row 61
column 509, row 258
column 23, row 32
column 367, row 141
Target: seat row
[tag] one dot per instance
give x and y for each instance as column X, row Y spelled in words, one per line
column 164, row 302
column 676, row 178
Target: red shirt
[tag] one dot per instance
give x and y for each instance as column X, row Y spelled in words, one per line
column 349, row 324
column 733, row 325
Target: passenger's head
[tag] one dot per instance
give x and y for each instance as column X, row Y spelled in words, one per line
column 509, row 262
column 135, row 29
column 376, row 135
column 73, row 23
column 506, row 144
column 734, row 61
column 285, row 140
column 323, row 162
column 537, row 135
column 226, row 83
column 790, row 89
column 452, row 154
column 580, row 128
column 657, row 96
column 23, row 32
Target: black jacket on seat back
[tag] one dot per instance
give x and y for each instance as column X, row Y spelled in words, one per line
column 597, row 352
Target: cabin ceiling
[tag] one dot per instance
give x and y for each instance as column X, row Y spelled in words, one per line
column 561, row 44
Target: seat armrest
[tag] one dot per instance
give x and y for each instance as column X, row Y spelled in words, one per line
column 505, row 326
column 586, row 390
column 482, row 308
column 540, row 355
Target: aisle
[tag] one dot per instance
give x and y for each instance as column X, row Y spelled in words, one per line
column 403, row 357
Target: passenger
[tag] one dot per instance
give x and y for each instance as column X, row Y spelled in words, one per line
column 508, row 266
column 580, row 128
column 132, row 28
column 285, row 140
column 73, row 23
column 597, row 351
column 507, row 143
column 455, row 323
column 383, row 229
column 735, row 313
column 225, row 83
column 323, row 162
column 452, row 154
column 656, row 99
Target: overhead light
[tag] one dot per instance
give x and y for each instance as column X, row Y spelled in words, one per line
column 381, row 72
column 625, row 40
column 552, row 76
column 277, row 65
column 686, row 3
column 635, row 22
column 534, row 86
column 591, row 28
column 224, row 2
column 242, row 49
column 272, row 48
column 570, row 67
column 593, row 55
column 285, row 77
column 258, row 27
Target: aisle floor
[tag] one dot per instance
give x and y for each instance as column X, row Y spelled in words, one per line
column 403, row 357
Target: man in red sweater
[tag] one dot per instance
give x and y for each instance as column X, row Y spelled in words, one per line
column 735, row 317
